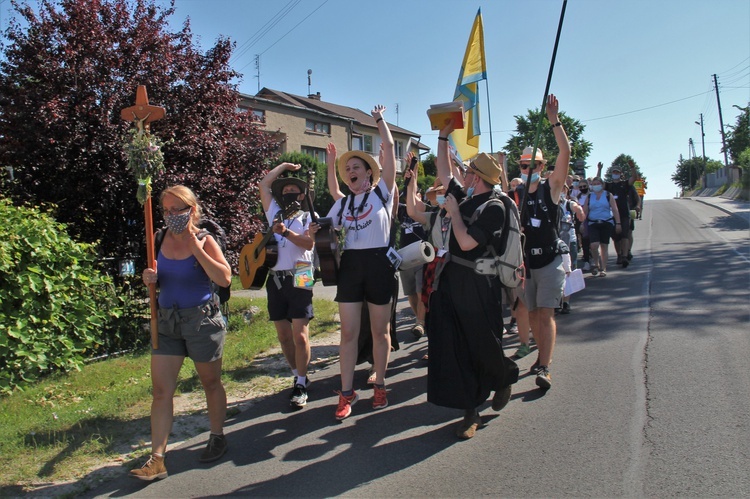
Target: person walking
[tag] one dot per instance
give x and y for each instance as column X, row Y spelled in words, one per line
column 545, row 277
column 190, row 325
column 290, row 307
column 465, row 324
column 366, row 275
column 603, row 217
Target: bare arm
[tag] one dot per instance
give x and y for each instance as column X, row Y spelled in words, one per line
column 560, row 173
column 412, row 206
column 389, row 154
column 210, row 257
column 443, row 161
column 460, row 231
column 265, row 185
column 333, row 183
column 633, row 173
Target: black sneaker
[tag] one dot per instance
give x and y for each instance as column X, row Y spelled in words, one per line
column 299, row 396
column 543, row 378
column 534, row 367
column 501, row 398
column 294, row 384
column 565, row 308
column 216, row 447
column 630, row 256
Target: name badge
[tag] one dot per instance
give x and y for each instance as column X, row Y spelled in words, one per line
column 442, row 252
column 536, row 222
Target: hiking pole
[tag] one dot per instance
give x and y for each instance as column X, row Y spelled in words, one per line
column 538, row 135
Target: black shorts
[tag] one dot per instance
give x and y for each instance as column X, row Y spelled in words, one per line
column 600, row 232
column 365, row 275
column 288, row 302
column 626, row 228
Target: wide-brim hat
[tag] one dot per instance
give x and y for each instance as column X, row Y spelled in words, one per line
column 369, row 161
column 433, row 191
column 277, row 187
column 616, row 169
column 526, row 155
column 486, row 167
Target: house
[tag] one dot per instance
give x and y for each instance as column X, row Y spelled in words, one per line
column 309, row 124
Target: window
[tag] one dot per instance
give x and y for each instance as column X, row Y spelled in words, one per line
column 357, row 143
column 367, row 143
column 398, row 148
column 317, row 127
column 315, row 152
column 258, row 115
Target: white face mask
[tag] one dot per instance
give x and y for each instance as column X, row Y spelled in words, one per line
column 615, row 176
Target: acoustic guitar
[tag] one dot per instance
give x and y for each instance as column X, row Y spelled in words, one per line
column 257, row 258
column 326, row 241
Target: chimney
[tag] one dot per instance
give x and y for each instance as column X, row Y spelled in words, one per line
column 314, row 96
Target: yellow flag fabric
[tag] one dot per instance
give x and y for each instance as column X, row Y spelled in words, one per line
column 473, row 69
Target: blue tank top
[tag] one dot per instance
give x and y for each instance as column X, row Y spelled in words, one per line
column 182, row 283
column 599, row 209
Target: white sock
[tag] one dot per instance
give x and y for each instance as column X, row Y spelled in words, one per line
column 295, row 373
column 302, row 380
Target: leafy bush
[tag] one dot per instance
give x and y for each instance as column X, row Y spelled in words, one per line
column 54, row 303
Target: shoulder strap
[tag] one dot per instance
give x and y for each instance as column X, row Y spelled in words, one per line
column 158, row 239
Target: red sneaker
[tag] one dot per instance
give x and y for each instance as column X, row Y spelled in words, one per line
column 379, row 399
column 344, row 408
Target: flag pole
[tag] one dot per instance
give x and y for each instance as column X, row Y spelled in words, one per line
column 538, row 135
column 489, row 114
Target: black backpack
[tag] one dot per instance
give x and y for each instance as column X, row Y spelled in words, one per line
column 206, row 226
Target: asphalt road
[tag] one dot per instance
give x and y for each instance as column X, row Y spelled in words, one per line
column 650, row 397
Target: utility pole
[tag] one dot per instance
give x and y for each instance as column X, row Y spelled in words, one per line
column 257, row 69
column 721, row 124
column 397, row 114
column 703, row 137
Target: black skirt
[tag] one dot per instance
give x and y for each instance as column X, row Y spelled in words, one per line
column 465, row 327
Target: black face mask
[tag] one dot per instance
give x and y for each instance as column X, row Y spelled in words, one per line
column 290, row 204
column 584, row 190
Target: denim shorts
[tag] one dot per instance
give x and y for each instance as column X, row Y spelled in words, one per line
column 196, row 332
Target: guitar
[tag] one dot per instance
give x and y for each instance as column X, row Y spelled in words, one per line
column 326, row 241
column 258, row 257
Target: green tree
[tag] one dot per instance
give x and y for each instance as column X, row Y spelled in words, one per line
column 525, row 134
column 68, row 69
column 688, row 172
column 623, row 163
column 738, row 136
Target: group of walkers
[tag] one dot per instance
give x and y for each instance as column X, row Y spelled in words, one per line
column 458, row 305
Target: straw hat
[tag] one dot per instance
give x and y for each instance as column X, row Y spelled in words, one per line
column 526, row 155
column 432, row 192
column 486, row 168
column 369, row 162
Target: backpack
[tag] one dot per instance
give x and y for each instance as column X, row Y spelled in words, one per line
column 506, row 247
column 206, row 226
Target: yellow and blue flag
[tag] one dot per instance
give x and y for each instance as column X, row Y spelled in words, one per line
column 465, row 141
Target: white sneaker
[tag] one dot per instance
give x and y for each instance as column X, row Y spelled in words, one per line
column 586, row 267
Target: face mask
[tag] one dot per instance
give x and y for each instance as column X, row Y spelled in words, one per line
column 289, row 198
column 177, row 223
column 615, row 176
column 597, row 188
column 534, row 177
column 584, row 190
column 575, row 184
column 440, row 199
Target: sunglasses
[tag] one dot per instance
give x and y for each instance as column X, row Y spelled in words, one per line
column 525, row 166
column 174, row 211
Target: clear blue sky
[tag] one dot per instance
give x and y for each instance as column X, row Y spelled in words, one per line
column 636, row 73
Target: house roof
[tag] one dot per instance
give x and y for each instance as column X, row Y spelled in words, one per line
column 315, row 104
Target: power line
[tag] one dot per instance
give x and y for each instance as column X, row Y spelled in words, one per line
column 647, row 108
column 269, row 25
column 294, row 27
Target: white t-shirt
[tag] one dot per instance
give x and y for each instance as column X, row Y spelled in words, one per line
column 289, row 252
column 366, row 221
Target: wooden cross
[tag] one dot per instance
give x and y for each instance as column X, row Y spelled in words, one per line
column 142, row 114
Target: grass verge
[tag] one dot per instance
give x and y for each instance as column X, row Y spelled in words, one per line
column 62, row 426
